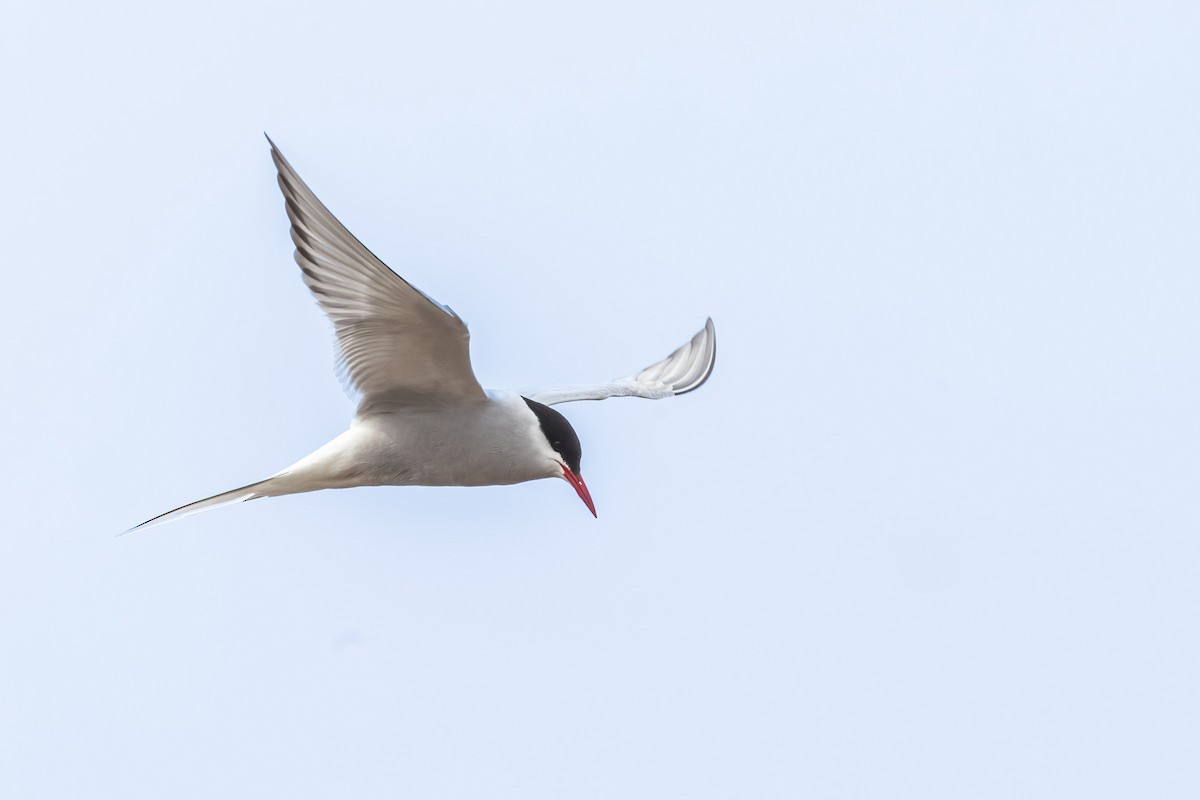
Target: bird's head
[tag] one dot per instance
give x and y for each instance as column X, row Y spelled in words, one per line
column 563, row 449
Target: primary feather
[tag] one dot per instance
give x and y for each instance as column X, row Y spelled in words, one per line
column 685, row 370
column 394, row 343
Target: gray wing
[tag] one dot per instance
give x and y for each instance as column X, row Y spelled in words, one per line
column 683, row 371
column 395, row 344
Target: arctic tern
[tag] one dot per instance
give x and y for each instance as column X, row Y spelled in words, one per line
column 422, row 418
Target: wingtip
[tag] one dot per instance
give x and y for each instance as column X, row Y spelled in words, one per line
column 275, row 152
column 281, row 162
column 706, row 338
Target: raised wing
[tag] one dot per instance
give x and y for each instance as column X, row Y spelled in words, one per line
column 395, row 344
column 683, row 371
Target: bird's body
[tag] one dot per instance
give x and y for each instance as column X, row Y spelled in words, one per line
column 467, row 443
column 422, row 418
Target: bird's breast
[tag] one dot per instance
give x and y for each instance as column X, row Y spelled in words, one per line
column 467, row 445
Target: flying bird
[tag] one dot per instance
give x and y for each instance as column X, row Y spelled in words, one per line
column 422, row 417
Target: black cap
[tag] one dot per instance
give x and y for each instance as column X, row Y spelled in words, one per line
column 558, row 433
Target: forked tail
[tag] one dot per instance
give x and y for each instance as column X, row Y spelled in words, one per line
column 241, row 495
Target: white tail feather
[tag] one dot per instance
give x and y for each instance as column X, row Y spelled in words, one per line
column 240, row 495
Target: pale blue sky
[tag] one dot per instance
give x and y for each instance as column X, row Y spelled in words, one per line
column 930, row 531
